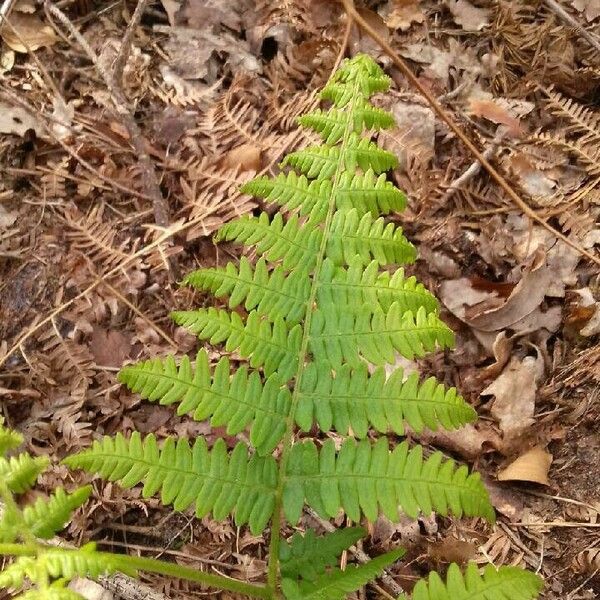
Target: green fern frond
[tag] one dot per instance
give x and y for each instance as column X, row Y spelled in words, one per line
column 307, row 556
column 47, row 516
column 343, row 335
column 368, row 238
column 366, row 192
column 213, row 480
column 322, row 162
column 52, row 592
column 291, row 191
column 337, row 584
column 363, row 477
column 368, row 285
column 56, row 563
column 276, row 294
column 9, row 439
column 505, row 583
column 273, row 346
column 276, row 239
column 19, row 473
column 356, row 400
column 236, row 401
column 333, row 124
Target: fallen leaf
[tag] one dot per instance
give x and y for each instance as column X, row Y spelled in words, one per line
column 468, row 16
column 7, row 60
column 515, row 391
column 28, row 33
column 524, row 299
column 6, row 218
column 497, row 114
column 403, row 14
column 468, row 441
column 414, row 135
column 504, row 499
column 246, row 157
column 585, row 317
column 591, row 8
column 109, row 348
column 531, row 466
column 16, row 120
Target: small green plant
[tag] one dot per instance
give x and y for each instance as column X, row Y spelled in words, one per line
column 317, row 318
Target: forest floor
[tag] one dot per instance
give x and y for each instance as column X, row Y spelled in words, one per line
column 110, row 191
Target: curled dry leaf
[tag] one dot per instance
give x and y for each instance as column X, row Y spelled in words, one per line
column 531, row 466
column 468, row 16
column 524, row 299
column 28, row 33
column 488, row 109
column 403, row 14
column 515, row 390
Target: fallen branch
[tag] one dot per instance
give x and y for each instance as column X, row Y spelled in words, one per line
column 570, row 20
column 455, row 128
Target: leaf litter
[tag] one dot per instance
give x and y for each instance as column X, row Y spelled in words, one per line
column 87, row 281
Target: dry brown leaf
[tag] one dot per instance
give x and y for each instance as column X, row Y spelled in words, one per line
column 591, row 8
column 515, row 391
column 403, row 14
column 110, row 348
column 491, row 111
column 525, row 298
column 468, row 16
column 31, row 33
column 531, row 466
column 246, row 157
column 468, row 441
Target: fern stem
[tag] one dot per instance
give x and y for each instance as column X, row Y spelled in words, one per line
column 276, row 523
column 151, row 565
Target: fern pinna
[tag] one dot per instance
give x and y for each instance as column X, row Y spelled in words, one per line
column 320, row 317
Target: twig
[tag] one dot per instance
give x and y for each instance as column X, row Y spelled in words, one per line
column 149, row 179
column 475, row 166
column 437, row 108
column 361, row 557
column 570, row 20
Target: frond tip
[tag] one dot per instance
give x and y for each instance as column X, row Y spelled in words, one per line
column 505, row 583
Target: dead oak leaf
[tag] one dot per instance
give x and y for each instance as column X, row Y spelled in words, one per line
column 109, row 347
column 403, row 14
column 468, row 16
column 28, row 33
column 591, row 8
column 531, row 466
column 515, row 391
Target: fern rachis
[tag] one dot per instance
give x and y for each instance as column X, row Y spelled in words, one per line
column 317, row 318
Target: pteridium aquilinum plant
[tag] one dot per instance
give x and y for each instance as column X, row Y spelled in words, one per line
column 317, row 317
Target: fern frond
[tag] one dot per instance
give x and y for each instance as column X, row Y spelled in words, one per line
column 213, row 480
column 371, row 239
column 340, row 335
column 238, row 402
column 362, row 477
column 358, row 285
column 307, row 556
column 337, row 584
column 355, row 400
column 276, row 239
column 276, row 294
column 9, row 439
column 292, row 191
column 57, row 563
column 273, row 346
column 19, row 473
column 505, row 583
column 50, row 593
column 333, row 124
column 367, row 192
column 47, row 516
column 322, row 162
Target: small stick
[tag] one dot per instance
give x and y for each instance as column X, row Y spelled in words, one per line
column 475, row 167
column 455, row 128
column 570, row 20
column 149, row 179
